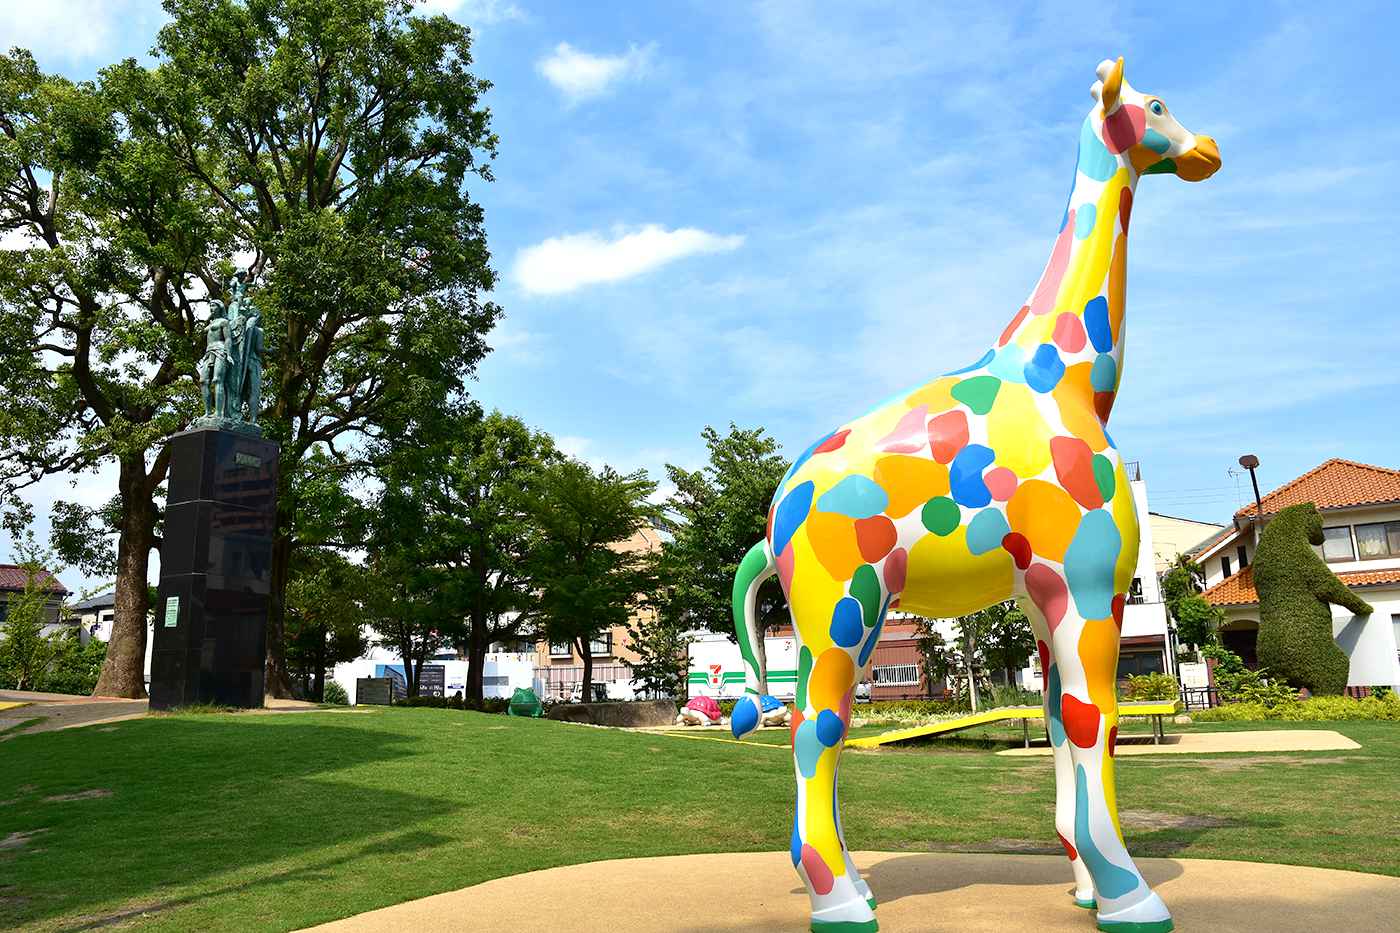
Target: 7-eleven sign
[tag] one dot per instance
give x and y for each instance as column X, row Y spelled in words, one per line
column 715, row 674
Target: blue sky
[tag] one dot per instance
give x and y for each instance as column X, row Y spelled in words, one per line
column 778, row 214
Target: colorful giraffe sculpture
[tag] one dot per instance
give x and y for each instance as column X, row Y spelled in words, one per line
column 995, row 481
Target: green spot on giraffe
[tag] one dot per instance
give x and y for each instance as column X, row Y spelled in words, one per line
column 804, row 671
column 941, row 516
column 865, row 587
column 977, row 393
column 1103, row 475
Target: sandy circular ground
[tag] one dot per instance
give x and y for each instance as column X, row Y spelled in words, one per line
column 917, row 892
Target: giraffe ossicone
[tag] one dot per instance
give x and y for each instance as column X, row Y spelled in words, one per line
column 995, row 481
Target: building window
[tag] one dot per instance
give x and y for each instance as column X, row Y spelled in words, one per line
column 1225, row 564
column 1140, row 662
column 1381, row 539
column 1395, row 622
column 600, row 647
column 1243, row 555
column 1336, row 544
column 559, row 649
column 1135, row 591
column 895, row 675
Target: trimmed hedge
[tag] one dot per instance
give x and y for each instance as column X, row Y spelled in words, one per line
column 1295, row 587
column 488, row 705
column 1318, row 709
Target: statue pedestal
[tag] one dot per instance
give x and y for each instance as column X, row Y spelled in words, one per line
column 215, row 570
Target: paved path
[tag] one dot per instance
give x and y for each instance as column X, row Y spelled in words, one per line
column 63, row 710
column 917, row 892
column 1200, row 743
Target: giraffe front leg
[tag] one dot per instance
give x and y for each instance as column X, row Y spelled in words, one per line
column 1081, row 689
column 1083, row 892
column 838, row 896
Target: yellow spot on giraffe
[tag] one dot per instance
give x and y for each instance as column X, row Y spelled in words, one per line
column 813, row 594
column 1017, row 432
column 833, row 540
column 821, row 823
column 937, row 395
column 1118, row 289
column 1125, row 517
column 1035, row 332
column 1074, row 394
column 1098, row 651
column 910, row 482
column 1046, row 515
column 1090, row 263
column 945, row 579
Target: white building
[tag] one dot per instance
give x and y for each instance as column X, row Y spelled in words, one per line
column 1360, row 508
column 443, row 674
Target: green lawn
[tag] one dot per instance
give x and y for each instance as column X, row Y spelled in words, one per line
column 239, row 822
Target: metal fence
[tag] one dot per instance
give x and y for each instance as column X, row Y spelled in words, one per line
column 1199, row 697
column 559, row 682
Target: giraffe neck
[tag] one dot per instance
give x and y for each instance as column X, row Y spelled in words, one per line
column 1076, row 312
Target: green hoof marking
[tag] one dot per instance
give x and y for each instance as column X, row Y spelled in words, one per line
column 1090, row 904
column 845, row 926
column 871, row 901
column 1135, row 926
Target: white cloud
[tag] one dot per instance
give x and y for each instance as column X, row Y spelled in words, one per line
column 474, row 12
column 579, row 75
column 562, row 264
column 71, row 30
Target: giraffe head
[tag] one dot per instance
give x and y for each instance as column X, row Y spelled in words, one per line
column 1140, row 129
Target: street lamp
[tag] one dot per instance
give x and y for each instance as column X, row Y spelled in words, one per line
column 1250, row 463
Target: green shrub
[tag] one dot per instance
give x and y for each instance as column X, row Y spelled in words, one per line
column 73, row 666
column 1152, row 687
column 1317, row 709
column 1014, row 696
column 488, row 705
column 1295, row 590
column 335, row 694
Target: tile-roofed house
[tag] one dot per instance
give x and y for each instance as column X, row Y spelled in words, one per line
column 13, row 579
column 1360, row 508
column 1336, row 484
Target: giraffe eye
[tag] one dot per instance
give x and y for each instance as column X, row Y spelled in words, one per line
column 1157, row 107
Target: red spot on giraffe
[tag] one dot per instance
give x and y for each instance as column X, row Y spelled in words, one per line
column 1069, row 849
column 947, row 434
column 1113, row 742
column 1125, row 207
column 1019, row 548
column 1015, row 323
column 833, row 442
column 1044, row 651
column 896, row 566
column 787, row 563
column 1043, row 301
column 875, row 537
column 1074, row 465
column 817, row 870
column 1047, row 590
column 1103, row 405
column 1069, row 331
column 1118, row 602
column 1081, row 721
column 1124, row 128
column 794, row 723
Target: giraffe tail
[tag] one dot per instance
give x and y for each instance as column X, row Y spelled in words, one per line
column 758, row 565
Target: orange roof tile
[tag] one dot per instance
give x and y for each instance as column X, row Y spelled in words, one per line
column 1335, row 484
column 1239, row 589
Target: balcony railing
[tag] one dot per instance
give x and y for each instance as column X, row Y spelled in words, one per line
column 1134, row 470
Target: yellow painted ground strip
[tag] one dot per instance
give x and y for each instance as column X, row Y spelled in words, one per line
column 1004, row 714
column 9, row 705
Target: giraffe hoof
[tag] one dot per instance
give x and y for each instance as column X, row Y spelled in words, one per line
column 1137, row 926
column 1146, row 916
column 1086, row 903
column 845, row 926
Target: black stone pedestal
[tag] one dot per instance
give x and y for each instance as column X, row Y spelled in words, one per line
column 215, row 570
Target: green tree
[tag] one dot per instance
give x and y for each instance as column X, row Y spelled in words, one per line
column 662, row 664
column 75, row 666
column 470, row 476
column 25, row 652
column 324, row 617
column 588, row 572
column 332, row 140
column 1007, row 640
column 1197, row 621
column 716, row 514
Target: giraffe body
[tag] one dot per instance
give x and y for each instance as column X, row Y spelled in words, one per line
column 994, row 482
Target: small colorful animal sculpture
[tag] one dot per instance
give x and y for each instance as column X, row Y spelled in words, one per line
column 995, row 481
column 699, row 711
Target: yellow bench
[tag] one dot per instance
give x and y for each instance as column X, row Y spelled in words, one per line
column 1155, row 709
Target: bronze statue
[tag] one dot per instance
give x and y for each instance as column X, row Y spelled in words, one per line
column 230, row 372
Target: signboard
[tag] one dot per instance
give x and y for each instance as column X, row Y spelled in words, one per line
column 172, row 611
column 433, row 683
column 246, row 460
column 373, row 691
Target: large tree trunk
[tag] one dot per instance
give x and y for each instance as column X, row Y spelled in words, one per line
column 277, row 680
column 587, row 656
column 124, row 670
column 476, row 660
column 318, row 685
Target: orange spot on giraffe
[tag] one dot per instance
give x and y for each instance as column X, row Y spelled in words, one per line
column 947, row 434
column 1045, row 515
column 1074, row 466
column 875, row 537
column 910, row 482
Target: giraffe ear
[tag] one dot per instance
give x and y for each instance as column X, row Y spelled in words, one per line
column 1112, row 86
